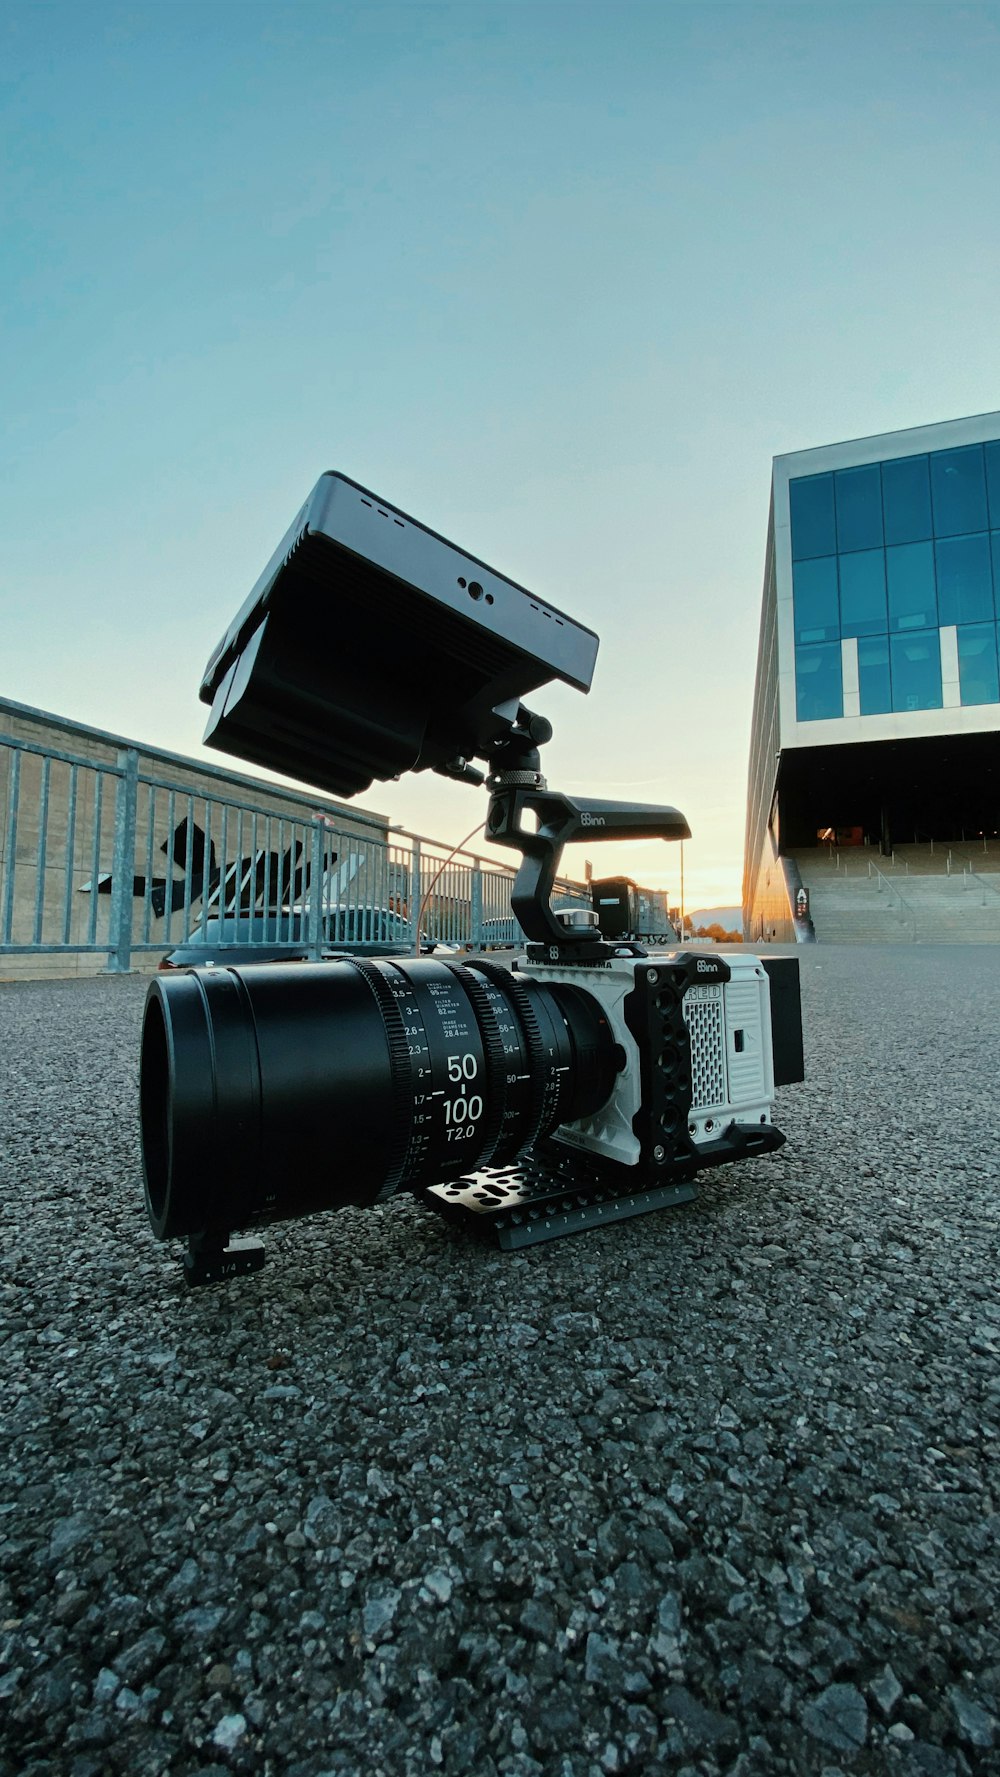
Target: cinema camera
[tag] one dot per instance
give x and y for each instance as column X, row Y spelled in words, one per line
column 589, row 1082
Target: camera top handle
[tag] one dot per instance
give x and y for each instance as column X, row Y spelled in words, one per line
column 517, row 786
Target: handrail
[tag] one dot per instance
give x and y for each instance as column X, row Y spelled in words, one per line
column 873, row 870
column 893, row 890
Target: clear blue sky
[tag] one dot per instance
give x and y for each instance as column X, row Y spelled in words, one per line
column 559, row 279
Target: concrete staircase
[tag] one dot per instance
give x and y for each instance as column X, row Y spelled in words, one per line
column 948, row 894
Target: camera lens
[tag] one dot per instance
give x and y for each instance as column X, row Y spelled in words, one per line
column 279, row 1090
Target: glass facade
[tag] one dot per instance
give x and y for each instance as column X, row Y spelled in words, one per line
column 819, row 690
column 977, row 663
column 873, row 676
column 888, row 554
column 915, row 670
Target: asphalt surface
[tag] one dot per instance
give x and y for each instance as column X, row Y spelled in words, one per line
column 712, row 1491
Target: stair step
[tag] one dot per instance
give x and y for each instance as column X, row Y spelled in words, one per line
column 853, row 906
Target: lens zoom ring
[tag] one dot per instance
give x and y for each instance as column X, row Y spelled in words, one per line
column 496, row 1067
column 399, row 1070
column 516, row 991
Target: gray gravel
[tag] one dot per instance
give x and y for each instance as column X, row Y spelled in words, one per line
column 715, row 1491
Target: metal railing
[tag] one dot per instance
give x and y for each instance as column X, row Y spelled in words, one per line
column 120, row 856
column 971, row 879
column 906, row 914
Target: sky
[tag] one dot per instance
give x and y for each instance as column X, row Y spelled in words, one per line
column 558, row 279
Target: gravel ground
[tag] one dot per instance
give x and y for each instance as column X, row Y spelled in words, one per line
column 713, row 1492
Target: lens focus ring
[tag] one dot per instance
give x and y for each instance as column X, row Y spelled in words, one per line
column 402, row 1096
column 534, row 1057
column 496, row 1069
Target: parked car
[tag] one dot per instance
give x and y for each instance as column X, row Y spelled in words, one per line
column 501, row 934
column 284, row 937
column 504, row 932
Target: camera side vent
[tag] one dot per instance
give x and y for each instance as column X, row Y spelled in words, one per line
column 703, row 1012
column 748, row 1082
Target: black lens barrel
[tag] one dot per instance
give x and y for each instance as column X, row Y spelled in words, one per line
column 277, row 1090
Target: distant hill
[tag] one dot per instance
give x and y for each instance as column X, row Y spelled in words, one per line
column 730, row 918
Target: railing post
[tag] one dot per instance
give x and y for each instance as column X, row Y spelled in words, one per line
column 123, row 867
column 10, row 847
column 476, row 935
column 416, row 890
column 316, row 889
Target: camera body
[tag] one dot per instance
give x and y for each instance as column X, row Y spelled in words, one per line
column 701, row 1040
column 695, row 1032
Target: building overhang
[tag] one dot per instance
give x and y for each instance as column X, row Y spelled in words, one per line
column 922, row 787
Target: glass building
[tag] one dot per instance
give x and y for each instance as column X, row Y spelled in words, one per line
column 877, row 704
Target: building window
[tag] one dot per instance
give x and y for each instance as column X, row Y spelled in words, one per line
column 883, row 554
column 819, row 690
column 964, row 580
column 916, row 670
column 811, row 514
column 910, row 579
column 862, row 593
column 873, row 675
column 977, row 663
column 817, row 609
column 906, row 500
column 958, row 491
column 858, row 494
